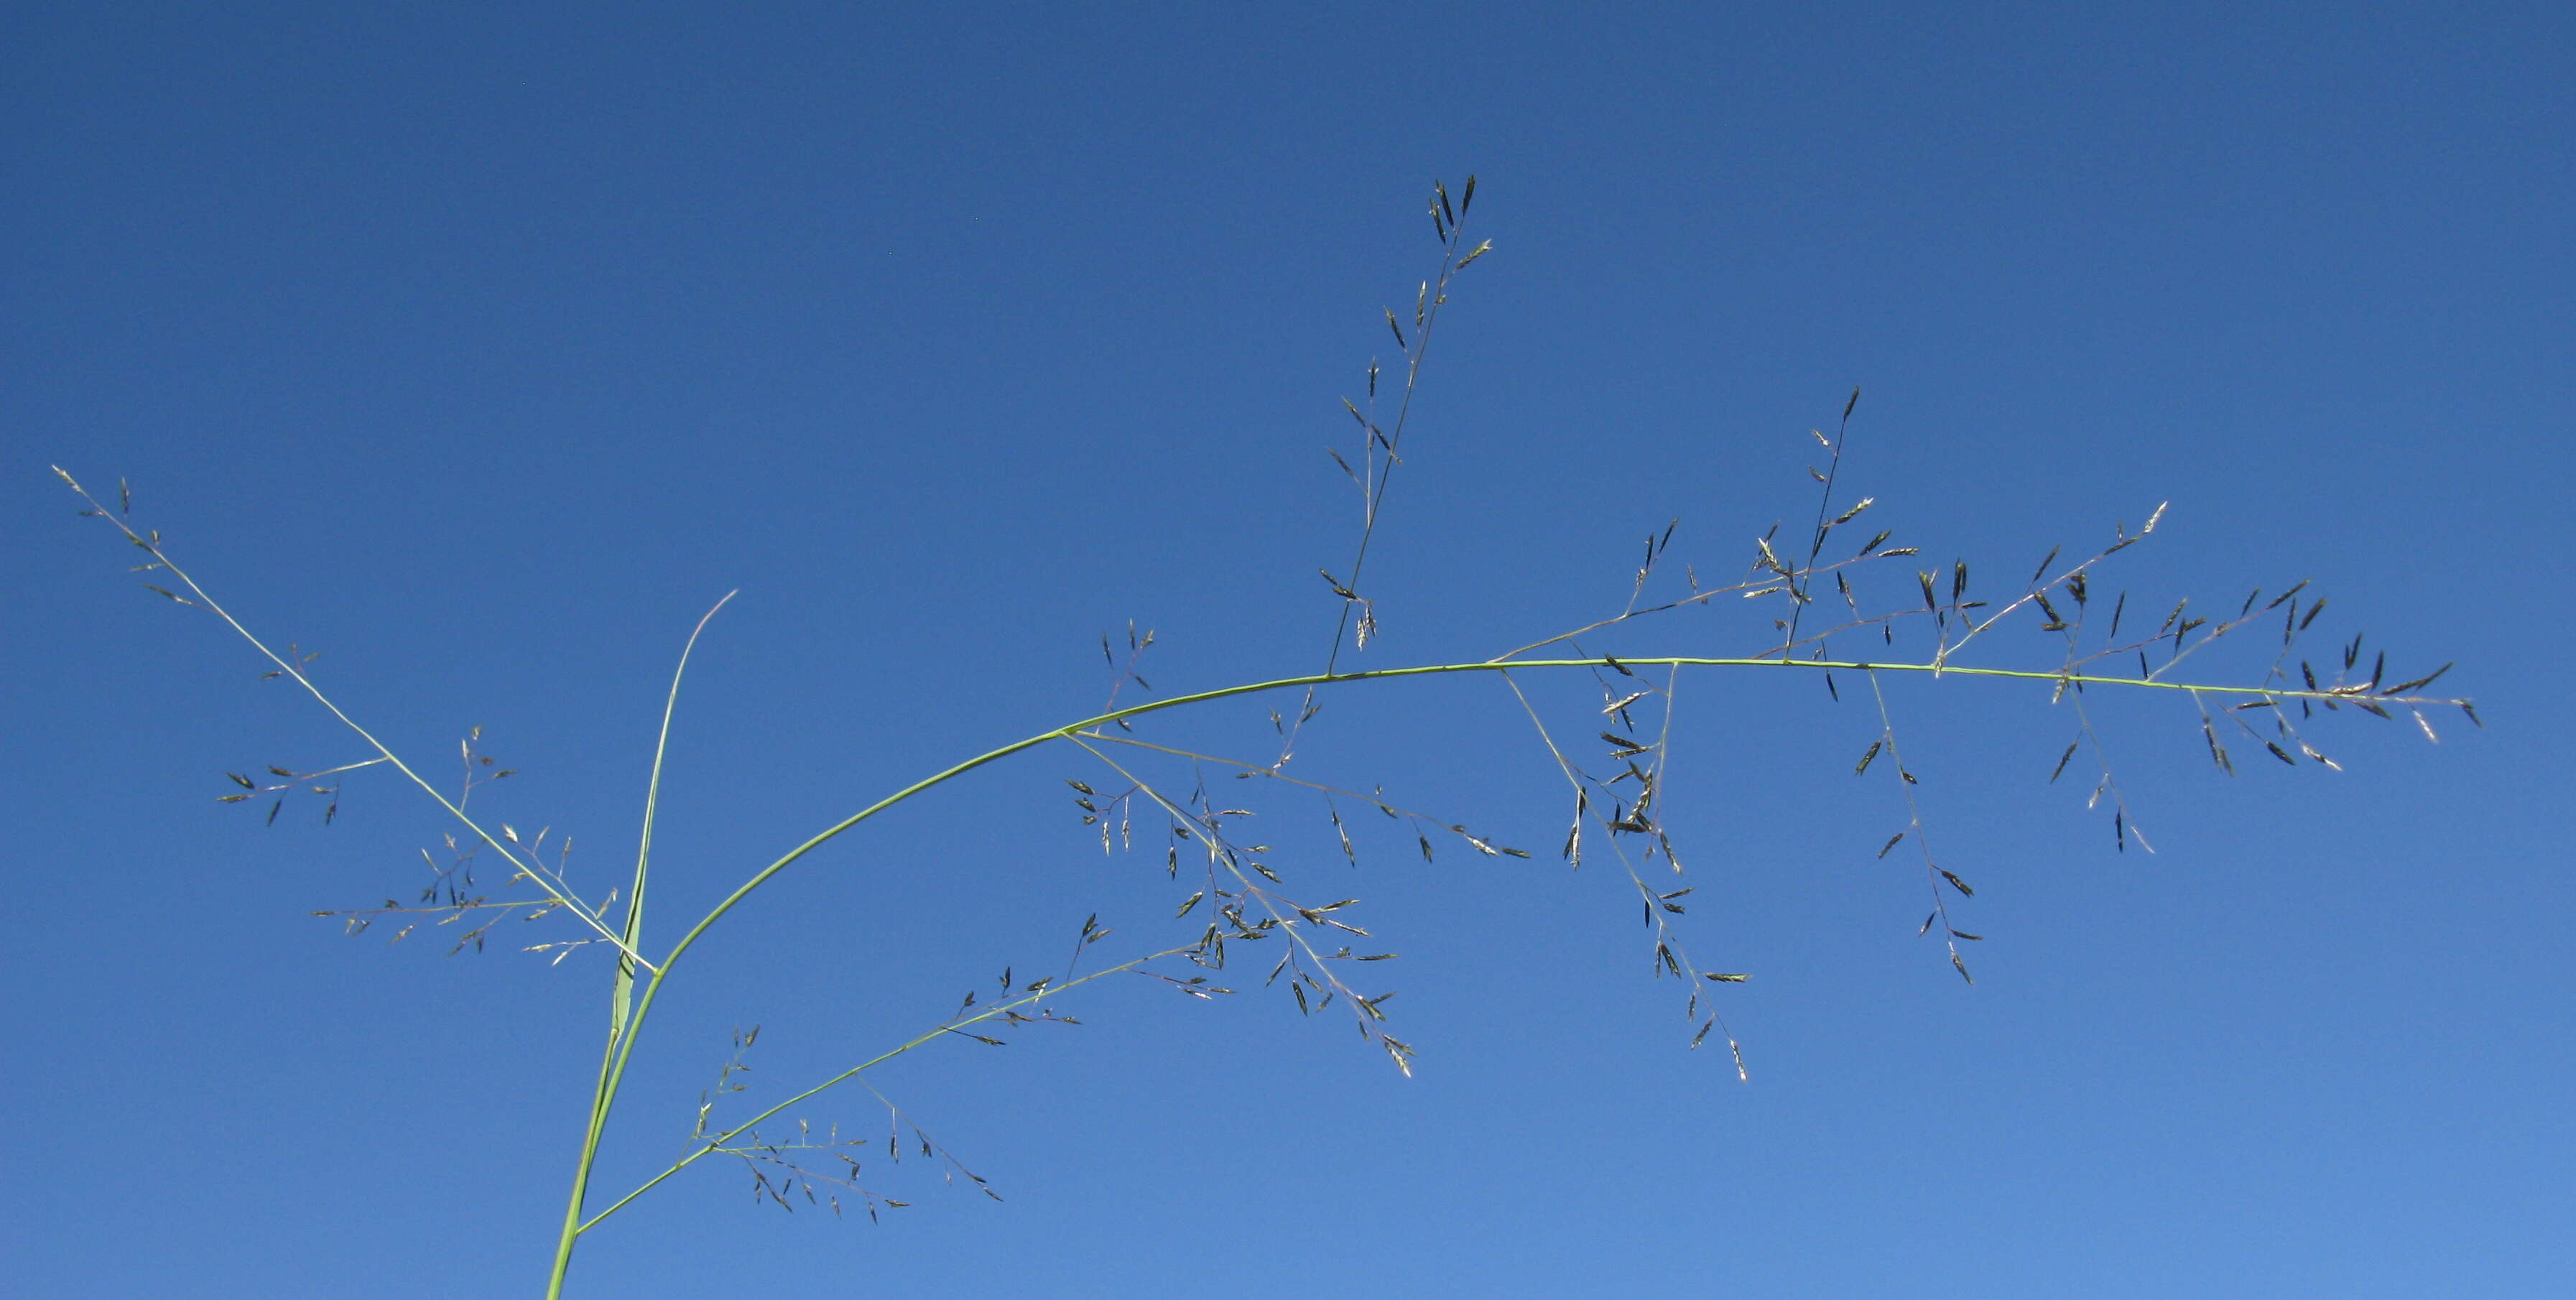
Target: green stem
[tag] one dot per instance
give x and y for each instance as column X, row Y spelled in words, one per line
column 623, row 986
column 600, row 1094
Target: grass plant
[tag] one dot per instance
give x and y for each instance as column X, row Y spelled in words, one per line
column 1811, row 621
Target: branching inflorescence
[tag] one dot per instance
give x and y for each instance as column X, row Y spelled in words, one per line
column 1808, row 592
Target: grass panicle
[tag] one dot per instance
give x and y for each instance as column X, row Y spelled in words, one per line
column 1826, row 605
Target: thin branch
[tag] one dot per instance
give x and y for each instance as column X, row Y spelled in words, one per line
column 714, row 1145
column 287, row 667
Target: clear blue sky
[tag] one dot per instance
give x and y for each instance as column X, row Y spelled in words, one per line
column 482, row 350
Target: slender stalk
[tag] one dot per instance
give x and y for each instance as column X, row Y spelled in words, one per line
column 644, row 842
column 622, row 988
column 716, row 1144
column 1435, row 295
column 1071, row 730
column 290, row 669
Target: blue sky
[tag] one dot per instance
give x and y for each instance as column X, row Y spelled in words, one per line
column 482, row 350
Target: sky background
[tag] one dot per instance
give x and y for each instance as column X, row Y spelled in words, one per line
column 482, row 349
